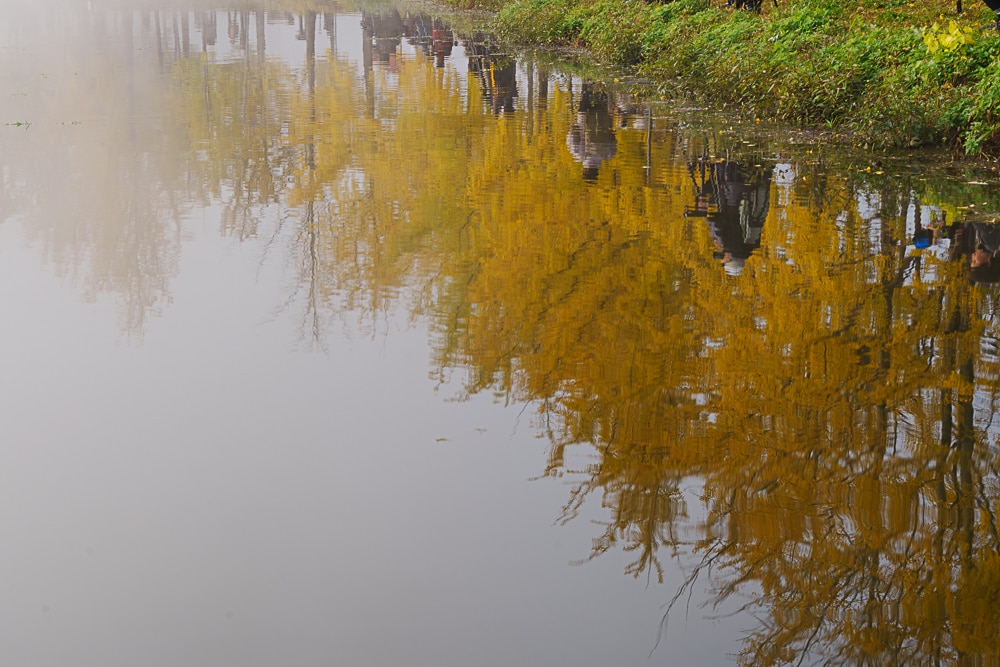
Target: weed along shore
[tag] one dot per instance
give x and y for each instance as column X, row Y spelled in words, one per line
column 883, row 73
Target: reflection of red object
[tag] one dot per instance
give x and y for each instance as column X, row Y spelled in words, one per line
column 384, row 52
column 388, row 60
column 443, row 42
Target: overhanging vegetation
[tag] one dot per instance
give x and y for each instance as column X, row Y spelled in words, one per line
column 877, row 72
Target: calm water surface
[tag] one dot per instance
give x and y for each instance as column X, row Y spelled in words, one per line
column 347, row 338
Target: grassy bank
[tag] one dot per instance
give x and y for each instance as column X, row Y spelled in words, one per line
column 878, row 72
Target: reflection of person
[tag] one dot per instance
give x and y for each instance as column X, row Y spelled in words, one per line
column 591, row 139
column 934, row 234
column 234, row 28
column 743, row 202
column 387, row 29
column 497, row 73
column 209, row 28
column 443, row 41
column 700, row 171
column 628, row 110
column 749, row 5
column 418, row 31
column 503, row 81
column 981, row 242
column 995, row 6
column 430, row 35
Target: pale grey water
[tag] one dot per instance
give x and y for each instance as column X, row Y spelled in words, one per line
column 186, row 478
column 350, row 338
column 217, row 496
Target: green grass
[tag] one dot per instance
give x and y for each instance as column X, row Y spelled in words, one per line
column 878, row 72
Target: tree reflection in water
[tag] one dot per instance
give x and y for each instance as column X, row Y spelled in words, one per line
column 833, row 396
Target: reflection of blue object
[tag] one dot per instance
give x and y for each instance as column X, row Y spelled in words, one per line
column 921, row 242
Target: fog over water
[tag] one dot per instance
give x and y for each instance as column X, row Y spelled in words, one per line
column 341, row 335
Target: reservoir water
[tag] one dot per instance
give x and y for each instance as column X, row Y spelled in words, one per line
column 343, row 335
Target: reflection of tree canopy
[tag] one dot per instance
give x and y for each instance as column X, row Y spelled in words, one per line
column 829, row 401
column 104, row 200
column 834, row 400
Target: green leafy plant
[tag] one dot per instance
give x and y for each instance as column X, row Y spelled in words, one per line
column 946, row 40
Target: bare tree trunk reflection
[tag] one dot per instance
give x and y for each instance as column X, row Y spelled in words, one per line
column 185, row 33
column 244, row 29
column 259, row 23
column 330, row 25
column 310, row 36
column 176, row 34
column 367, row 58
column 159, row 40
